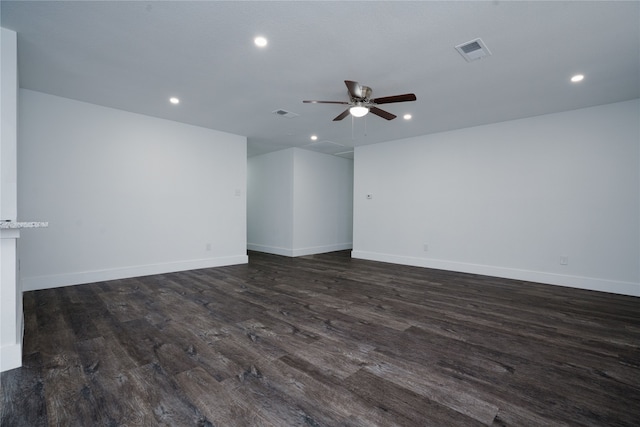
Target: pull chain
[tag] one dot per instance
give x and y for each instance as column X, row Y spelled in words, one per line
column 352, row 134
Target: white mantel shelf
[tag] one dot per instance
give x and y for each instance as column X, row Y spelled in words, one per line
column 9, row 225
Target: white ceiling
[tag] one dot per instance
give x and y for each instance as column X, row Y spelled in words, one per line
column 135, row 55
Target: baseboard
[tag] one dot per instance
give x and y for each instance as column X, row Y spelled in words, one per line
column 275, row 250
column 289, row 252
column 79, row 278
column 321, row 249
column 588, row 283
column 10, row 357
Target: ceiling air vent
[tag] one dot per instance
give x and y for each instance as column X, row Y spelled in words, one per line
column 285, row 113
column 472, row 50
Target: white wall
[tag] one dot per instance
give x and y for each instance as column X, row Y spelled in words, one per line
column 125, row 194
column 299, row 203
column 270, row 202
column 510, row 199
column 323, row 203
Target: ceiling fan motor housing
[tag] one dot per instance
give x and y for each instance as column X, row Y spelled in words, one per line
column 365, row 93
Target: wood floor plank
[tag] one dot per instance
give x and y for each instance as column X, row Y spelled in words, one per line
column 79, row 318
column 403, row 403
column 195, row 350
column 216, row 403
column 115, row 400
column 69, row 400
column 169, row 405
column 22, row 400
column 136, row 337
column 265, row 396
column 339, row 358
column 436, row 387
column 341, row 407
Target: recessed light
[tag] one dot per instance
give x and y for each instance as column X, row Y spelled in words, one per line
column 174, row 100
column 260, row 41
column 407, row 117
column 577, row 78
column 314, row 137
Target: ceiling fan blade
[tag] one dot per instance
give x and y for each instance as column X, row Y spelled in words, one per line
column 381, row 113
column 394, row 98
column 342, row 115
column 354, row 88
column 325, row 102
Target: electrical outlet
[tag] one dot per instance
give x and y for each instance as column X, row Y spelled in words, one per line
column 369, row 196
column 208, row 247
column 425, row 247
column 564, row 260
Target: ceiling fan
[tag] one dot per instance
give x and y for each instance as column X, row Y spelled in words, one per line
column 360, row 102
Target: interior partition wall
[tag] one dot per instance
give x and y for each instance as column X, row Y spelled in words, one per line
column 552, row 199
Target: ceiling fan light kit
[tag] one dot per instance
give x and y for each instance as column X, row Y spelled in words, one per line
column 360, row 102
column 358, row 111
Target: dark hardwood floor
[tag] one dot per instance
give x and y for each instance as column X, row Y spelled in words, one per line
column 325, row 341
